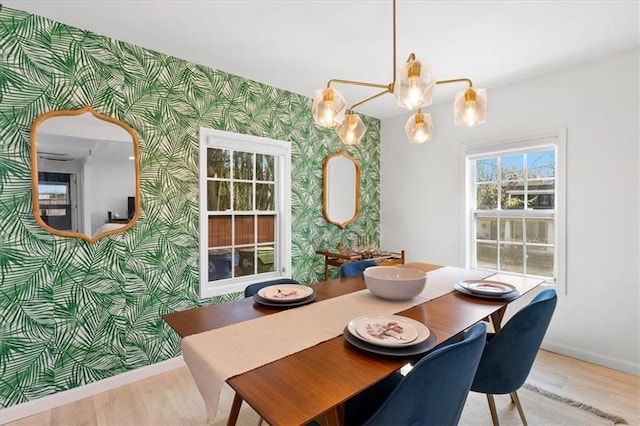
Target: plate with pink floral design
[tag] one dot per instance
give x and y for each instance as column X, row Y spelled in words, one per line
column 487, row 287
column 388, row 330
column 285, row 292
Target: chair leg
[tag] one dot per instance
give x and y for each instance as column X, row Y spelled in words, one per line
column 516, row 400
column 492, row 409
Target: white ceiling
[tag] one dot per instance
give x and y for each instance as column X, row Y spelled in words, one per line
column 300, row 45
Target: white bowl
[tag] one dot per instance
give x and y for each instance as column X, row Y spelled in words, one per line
column 396, row 283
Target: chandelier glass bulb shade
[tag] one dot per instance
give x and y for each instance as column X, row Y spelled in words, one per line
column 419, row 128
column 470, row 107
column 413, row 86
column 351, row 130
column 328, row 108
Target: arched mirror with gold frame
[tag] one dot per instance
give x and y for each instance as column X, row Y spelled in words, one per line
column 85, row 174
column 341, row 189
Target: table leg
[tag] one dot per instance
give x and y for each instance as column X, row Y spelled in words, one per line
column 326, row 268
column 496, row 318
column 235, row 410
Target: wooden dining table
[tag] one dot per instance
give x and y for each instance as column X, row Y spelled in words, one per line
column 313, row 384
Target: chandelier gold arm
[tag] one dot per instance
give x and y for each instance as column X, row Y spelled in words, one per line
column 357, row 83
column 388, row 88
column 456, row 80
column 384, row 92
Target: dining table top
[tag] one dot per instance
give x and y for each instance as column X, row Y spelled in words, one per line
column 315, row 382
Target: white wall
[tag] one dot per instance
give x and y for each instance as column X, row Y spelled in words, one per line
column 598, row 319
column 109, row 185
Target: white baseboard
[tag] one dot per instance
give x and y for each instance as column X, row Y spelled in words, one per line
column 615, row 363
column 56, row 400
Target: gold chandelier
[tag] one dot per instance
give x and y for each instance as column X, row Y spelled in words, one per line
column 413, row 88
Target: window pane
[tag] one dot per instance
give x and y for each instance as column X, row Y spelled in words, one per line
column 243, row 200
column 512, row 167
column 540, row 260
column 218, row 163
column 243, row 165
column 247, row 261
column 53, row 193
column 258, row 261
column 541, row 164
column 266, row 259
column 486, row 256
column 541, row 193
column 511, row 258
column 218, row 196
column 487, row 228
column 487, row 196
column 222, row 264
column 540, row 231
column 265, row 167
column 54, row 212
column 244, row 228
column 266, row 229
column 512, row 194
column 264, row 196
column 511, row 230
column 487, row 170
column 219, row 231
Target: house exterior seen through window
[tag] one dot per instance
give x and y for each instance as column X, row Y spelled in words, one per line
column 515, row 206
column 245, row 211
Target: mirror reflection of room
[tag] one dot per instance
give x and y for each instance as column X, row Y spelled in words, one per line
column 86, row 173
column 341, row 189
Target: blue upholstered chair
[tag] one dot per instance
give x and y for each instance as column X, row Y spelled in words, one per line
column 252, row 289
column 509, row 354
column 351, row 269
column 432, row 393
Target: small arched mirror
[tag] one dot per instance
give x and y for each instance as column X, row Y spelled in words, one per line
column 85, row 175
column 341, row 189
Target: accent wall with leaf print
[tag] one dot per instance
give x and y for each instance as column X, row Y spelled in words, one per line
column 73, row 312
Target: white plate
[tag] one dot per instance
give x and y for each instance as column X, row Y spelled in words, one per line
column 368, row 327
column 282, row 304
column 285, row 292
column 487, row 287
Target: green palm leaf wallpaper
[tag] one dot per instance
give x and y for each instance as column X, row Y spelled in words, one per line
column 73, row 312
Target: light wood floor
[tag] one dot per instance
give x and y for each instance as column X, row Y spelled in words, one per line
column 172, row 398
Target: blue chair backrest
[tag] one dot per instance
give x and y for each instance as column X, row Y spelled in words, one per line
column 351, row 269
column 509, row 355
column 252, row 289
column 435, row 390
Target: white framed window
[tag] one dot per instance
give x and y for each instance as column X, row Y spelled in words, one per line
column 515, row 206
column 245, row 211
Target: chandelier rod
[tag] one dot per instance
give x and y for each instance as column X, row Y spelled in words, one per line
column 393, row 76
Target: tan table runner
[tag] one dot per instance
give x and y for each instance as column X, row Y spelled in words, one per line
column 216, row 355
